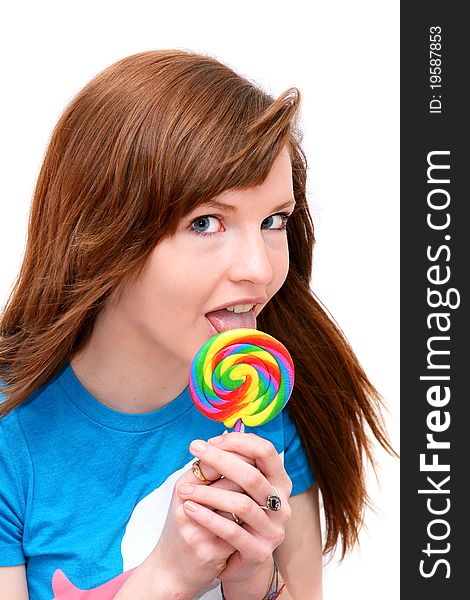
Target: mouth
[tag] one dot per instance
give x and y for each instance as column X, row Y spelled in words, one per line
column 223, row 320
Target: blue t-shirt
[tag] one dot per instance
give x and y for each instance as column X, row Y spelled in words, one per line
column 84, row 489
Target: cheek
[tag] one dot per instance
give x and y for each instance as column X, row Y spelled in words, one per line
column 165, row 273
column 173, row 280
column 281, row 267
column 283, row 275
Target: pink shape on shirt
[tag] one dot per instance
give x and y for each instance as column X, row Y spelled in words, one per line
column 65, row 590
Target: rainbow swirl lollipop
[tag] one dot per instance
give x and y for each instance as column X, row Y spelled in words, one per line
column 241, row 375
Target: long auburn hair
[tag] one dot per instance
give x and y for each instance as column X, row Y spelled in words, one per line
column 146, row 141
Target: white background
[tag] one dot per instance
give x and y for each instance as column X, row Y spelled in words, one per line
column 344, row 58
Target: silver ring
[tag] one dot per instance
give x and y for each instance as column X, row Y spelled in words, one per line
column 273, row 502
column 236, row 519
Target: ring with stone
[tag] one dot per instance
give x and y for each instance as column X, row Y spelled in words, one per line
column 273, row 501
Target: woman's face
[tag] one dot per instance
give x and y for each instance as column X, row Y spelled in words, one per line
column 217, row 257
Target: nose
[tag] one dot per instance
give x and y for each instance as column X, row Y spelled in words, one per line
column 252, row 260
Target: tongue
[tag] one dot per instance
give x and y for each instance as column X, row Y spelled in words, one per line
column 224, row 319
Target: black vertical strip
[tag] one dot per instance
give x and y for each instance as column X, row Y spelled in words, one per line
column 435, row 254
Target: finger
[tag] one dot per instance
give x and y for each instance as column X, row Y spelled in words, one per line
column 212, row 474
column 230, row 502
column 224, row 483
column 231, row 516
column 195, row 534
column 227, row 484
column 245, row 475
column 265, row 456
column 252, row 548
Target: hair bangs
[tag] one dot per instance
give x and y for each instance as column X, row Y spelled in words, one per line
column 229, row 144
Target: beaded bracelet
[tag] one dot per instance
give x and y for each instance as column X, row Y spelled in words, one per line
column 274, row 590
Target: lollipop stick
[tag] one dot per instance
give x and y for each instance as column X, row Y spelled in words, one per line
column 238, row 425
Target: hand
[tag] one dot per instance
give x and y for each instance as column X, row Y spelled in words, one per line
column 188, row 555
column 261, row 531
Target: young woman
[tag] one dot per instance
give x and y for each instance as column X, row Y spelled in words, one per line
column 171, row 205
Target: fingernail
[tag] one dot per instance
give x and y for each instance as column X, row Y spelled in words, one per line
column 186, row 488
column 217, row 440
column 191, row 506
column 198, row 446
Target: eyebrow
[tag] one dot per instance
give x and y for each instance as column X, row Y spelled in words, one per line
column 230, row 208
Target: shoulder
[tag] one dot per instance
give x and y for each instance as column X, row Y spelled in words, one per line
column 15, row 463
column 38, row 403
column 30, row 420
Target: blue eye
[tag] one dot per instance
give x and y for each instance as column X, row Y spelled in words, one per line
column 284, row 218
column 199, row 226
column 202, row 222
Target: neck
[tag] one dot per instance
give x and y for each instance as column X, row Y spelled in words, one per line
column 126, row 373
